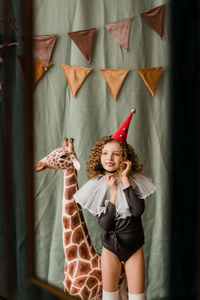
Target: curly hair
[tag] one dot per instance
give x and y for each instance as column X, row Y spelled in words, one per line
column 94, row 167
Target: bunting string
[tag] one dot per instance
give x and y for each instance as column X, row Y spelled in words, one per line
column 114, row 78
column 43, row 46
column 132, row 16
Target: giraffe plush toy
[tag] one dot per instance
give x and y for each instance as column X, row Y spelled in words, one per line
column 82, row 272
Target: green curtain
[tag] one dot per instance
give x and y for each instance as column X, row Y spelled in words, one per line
column 93, row 113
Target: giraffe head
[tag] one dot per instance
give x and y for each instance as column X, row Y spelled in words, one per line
column 60, row 159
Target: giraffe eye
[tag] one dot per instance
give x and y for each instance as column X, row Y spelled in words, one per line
column 63, row 156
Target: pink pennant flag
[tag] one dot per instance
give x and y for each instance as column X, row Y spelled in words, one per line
column 84, row 40
column 154, row 18
column 120, row 31
column 43, row 46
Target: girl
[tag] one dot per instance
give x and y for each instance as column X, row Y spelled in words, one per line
column 115, row 195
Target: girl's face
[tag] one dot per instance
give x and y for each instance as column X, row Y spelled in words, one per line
column 111, row 156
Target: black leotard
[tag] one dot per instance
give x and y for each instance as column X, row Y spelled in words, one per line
column 123, row 237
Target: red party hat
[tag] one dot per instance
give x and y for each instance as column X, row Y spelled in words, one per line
column 122, row 132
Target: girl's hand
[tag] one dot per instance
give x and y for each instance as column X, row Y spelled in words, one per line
column 127, row 169
column 111, row 182
column 124, row 174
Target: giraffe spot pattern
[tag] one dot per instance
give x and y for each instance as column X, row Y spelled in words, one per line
column 68, row 283
column 83, row 268
column 66, row 222
column 71, row 252
column 70, row 180
column 70, row 208
column 75, row 221
column 79, row 282
column 94, row 292
column 81, row 215
column 70, row 192
column 77, row 236
column 85, row 293
column 85, row 230
column 74, row 290
column 93, row 251
column 66, row 267
column 83, row 251
column 67, row 237
column 97, row 274
column 72, row 267
column 91, row 282
column 95, row 262
column 69, row 171
column 76, row 239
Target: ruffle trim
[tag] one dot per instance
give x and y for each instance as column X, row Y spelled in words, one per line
column 94, row 195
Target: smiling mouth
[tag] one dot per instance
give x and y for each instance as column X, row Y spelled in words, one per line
column 110, row 164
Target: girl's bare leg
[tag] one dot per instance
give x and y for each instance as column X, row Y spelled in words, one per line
column 135, row 272
column 111, row 270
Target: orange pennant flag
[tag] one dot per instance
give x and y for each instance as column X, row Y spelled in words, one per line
column 84, row 40
column 151, row 78
column 154, row 18
column 43, row 46
column 38, row 71
column 75, row 76
column 120, row 31
column 114, row 79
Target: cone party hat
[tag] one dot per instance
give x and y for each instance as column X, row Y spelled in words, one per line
column 122, row 132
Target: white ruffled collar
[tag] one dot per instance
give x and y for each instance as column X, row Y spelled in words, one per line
column 94, row 195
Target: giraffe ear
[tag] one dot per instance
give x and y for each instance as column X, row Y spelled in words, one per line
column 40, row 166
column 75, row 162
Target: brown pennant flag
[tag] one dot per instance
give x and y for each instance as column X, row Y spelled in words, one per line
column 114, row 79
column 154, row 18
column 75, row 76
column 84, row 40
column 151, row 78
column 120, row 31
column 43, row 46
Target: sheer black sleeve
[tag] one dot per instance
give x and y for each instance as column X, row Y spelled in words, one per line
column 105, row 221
column 136, row 205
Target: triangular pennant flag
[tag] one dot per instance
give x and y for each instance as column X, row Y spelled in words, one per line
column 154, row 18
column 151, row 78
column 114, row 79
column 38, row 71
column 187, row 70
column 120, row 31
column 75, row 76
column 84, row 40
column 43, row 46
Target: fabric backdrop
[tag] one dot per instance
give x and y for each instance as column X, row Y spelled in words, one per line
column 93, row 114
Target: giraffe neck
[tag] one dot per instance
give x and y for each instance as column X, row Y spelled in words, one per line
column 71, row 212
column 82, row 274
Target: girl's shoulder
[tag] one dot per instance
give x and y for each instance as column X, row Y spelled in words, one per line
column 144, row 185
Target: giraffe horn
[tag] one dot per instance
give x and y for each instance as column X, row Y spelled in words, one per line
column 65, row 143
column 71, row 145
